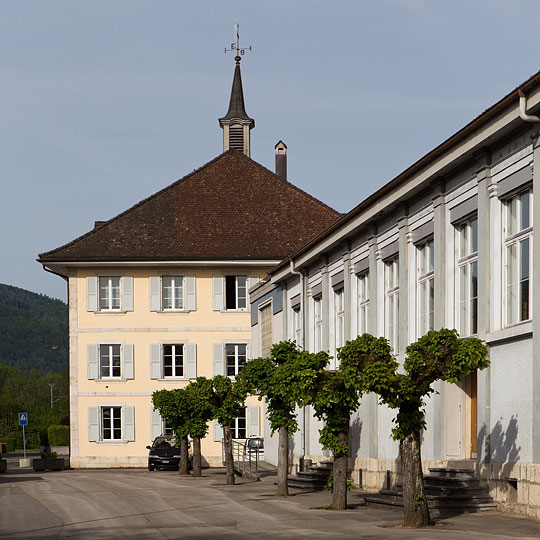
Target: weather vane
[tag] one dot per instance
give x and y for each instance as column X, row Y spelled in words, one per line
column 235, row 46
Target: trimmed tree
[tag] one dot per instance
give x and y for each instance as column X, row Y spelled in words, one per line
column 227, row 398
column 335, row 395
column 199, row 392
column 173, row 405
column 438, row 355
column 276, row 380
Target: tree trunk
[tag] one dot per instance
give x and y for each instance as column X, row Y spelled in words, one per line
column 283, row 463
column 416, row 511
column 229, row 463
column 339, row 492
column 184, row 457
column 197, row 456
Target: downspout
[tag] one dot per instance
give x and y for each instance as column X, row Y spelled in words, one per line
column 302, row 345
column 523, row 109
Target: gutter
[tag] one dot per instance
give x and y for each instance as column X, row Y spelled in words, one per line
column 523, row 108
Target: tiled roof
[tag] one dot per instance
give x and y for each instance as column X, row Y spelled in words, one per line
column 231, row 208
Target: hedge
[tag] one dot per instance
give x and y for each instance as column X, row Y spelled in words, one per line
column 10, row 443
column 58, row 435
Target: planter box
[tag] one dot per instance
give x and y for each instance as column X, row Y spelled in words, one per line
column 52, row 464
column 3, row 465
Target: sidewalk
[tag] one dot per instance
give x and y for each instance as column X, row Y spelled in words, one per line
column 137, row 504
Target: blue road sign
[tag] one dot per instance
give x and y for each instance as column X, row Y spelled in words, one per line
column 23, row 419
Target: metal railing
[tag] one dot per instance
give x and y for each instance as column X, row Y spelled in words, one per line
column 245, row 458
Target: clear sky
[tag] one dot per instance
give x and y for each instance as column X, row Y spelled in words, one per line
column 105, row 102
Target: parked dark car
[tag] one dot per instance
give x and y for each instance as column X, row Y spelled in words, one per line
column 163, row 454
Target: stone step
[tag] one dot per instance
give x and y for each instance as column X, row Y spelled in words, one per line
column 451, row 472
column 387, row 499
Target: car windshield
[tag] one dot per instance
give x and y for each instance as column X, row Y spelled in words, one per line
column 163, row 443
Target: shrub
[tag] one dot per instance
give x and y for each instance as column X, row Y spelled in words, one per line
column 58, row 435
column 43, row 437
column 10, row 443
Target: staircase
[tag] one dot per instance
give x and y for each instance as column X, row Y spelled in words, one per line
column 448, row 492
column 314, row 478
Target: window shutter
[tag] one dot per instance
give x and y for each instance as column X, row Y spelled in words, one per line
column 127, row 361
column 127, row 293
column 248, row 352
column 217, row 293
column 156, row 426
column 219, row 367
column 129, row 423
column 92, row 361
column 155, row 293
column 253, row 419
column 191, row 297
column 91, row 293
column 218, row 431
column 93, row 424
column 190, row 350
column 155, row 361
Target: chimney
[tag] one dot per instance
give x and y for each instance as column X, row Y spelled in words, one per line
column 281, row 160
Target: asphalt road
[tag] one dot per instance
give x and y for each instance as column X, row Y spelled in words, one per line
column 137, row 504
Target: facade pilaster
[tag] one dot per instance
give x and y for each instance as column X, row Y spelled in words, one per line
column 404, row 240
column 347, row 298
column 326, row 317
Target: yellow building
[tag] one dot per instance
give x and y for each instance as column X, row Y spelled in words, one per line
column 158, row 295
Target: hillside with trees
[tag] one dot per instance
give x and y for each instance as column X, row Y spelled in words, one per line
column 33, row 330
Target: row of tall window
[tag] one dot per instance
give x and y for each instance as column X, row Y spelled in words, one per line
column 516, row 272
column 167, row 293
column 167, row 361
column 116, row 423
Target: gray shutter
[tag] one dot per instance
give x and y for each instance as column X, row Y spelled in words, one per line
column 91, row 293
column 127, row 293
column 127, row 361
column 156, row 426
column 155, row 361
column 190, row 354
column 253, row 421
column 191, row 297
column 129, row 423
column 92, row 361
column 93, row 424
column 218, row 431
column 217, row 293
column 155, row 293
column 219, row 366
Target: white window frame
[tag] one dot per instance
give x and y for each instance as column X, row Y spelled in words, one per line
column 102, row 428
column 425, row 285
column 297, row 325
column 236, row 425
column 237, row 290
column 317, row 323
column 339, row 316
column 391, row 307
column 517, row 233
column 467, row 266
column 178, row 303
column 110, row 288
column 111, row 356
column 174, row 367
column 362, row 281
column 233, row 350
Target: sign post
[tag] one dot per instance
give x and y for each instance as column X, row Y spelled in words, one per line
column 23, row 421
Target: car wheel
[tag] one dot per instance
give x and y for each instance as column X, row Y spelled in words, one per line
column 150, row 467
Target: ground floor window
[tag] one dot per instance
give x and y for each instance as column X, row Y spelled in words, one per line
column 238, row 425
column 111, row 423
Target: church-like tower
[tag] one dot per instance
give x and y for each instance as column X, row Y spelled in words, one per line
column 236, row 124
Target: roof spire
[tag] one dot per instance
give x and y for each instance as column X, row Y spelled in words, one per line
column 236, row 124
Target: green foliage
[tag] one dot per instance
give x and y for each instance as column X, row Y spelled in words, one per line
column 421, row 499
column 227, row 397
column 282, row 381
column 10, row 443
column 34, row 330
column 43, row 437
column 173, row 405
column 438, row 355
column 28, row 391
column 58, row 435
column 48, row 455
